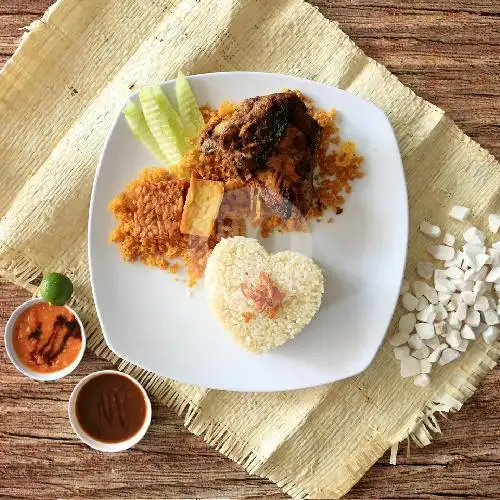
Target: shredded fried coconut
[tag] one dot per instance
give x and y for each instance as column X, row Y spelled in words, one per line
column 267, row 298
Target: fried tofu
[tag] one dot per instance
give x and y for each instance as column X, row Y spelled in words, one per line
column 202, row 207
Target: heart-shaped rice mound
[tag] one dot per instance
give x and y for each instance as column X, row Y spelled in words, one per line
column 240, row 272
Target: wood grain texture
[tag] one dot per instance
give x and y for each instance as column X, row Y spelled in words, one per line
column 448, row 51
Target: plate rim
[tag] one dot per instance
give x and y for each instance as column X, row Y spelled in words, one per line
column 405, row 228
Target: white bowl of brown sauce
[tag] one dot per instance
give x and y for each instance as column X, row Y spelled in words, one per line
column 109, row 411
column 44, row 342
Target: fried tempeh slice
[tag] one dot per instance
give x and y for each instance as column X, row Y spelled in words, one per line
column 202, row 206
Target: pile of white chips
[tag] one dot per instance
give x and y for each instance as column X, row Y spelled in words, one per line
column 453, row 303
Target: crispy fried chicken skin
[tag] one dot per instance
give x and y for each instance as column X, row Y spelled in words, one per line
column 272, row 139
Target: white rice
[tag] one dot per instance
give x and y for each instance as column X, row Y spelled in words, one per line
column 241, row 260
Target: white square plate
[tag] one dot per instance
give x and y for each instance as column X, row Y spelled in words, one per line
column 148, row 318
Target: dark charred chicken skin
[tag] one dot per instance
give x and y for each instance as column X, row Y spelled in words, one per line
column 272, row 139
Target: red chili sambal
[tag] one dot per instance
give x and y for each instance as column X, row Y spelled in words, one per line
column 47, row 338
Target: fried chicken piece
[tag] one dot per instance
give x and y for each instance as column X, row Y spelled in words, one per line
column 274, row 131
column 287, row 184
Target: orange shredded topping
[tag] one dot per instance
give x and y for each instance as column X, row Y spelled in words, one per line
column 267, row 298
column 337, row 169
column 247, row 316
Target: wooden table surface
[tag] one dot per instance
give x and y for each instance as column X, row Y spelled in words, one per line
column 448, row 51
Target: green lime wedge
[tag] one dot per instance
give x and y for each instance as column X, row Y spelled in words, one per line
column 56, row 288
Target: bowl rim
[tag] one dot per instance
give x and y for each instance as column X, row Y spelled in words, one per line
column 95, row 443
column 25, row 370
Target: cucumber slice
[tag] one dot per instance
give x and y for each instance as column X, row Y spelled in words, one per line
column 191, row 117
column 164, row 123
column 139, row 128
column 173, row 116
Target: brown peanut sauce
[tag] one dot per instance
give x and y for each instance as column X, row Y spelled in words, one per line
column 110, row 408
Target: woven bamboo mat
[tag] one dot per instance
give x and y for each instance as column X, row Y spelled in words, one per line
column 58, row 97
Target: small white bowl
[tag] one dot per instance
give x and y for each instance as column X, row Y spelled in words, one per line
column 9, row 346
column 100, row 445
